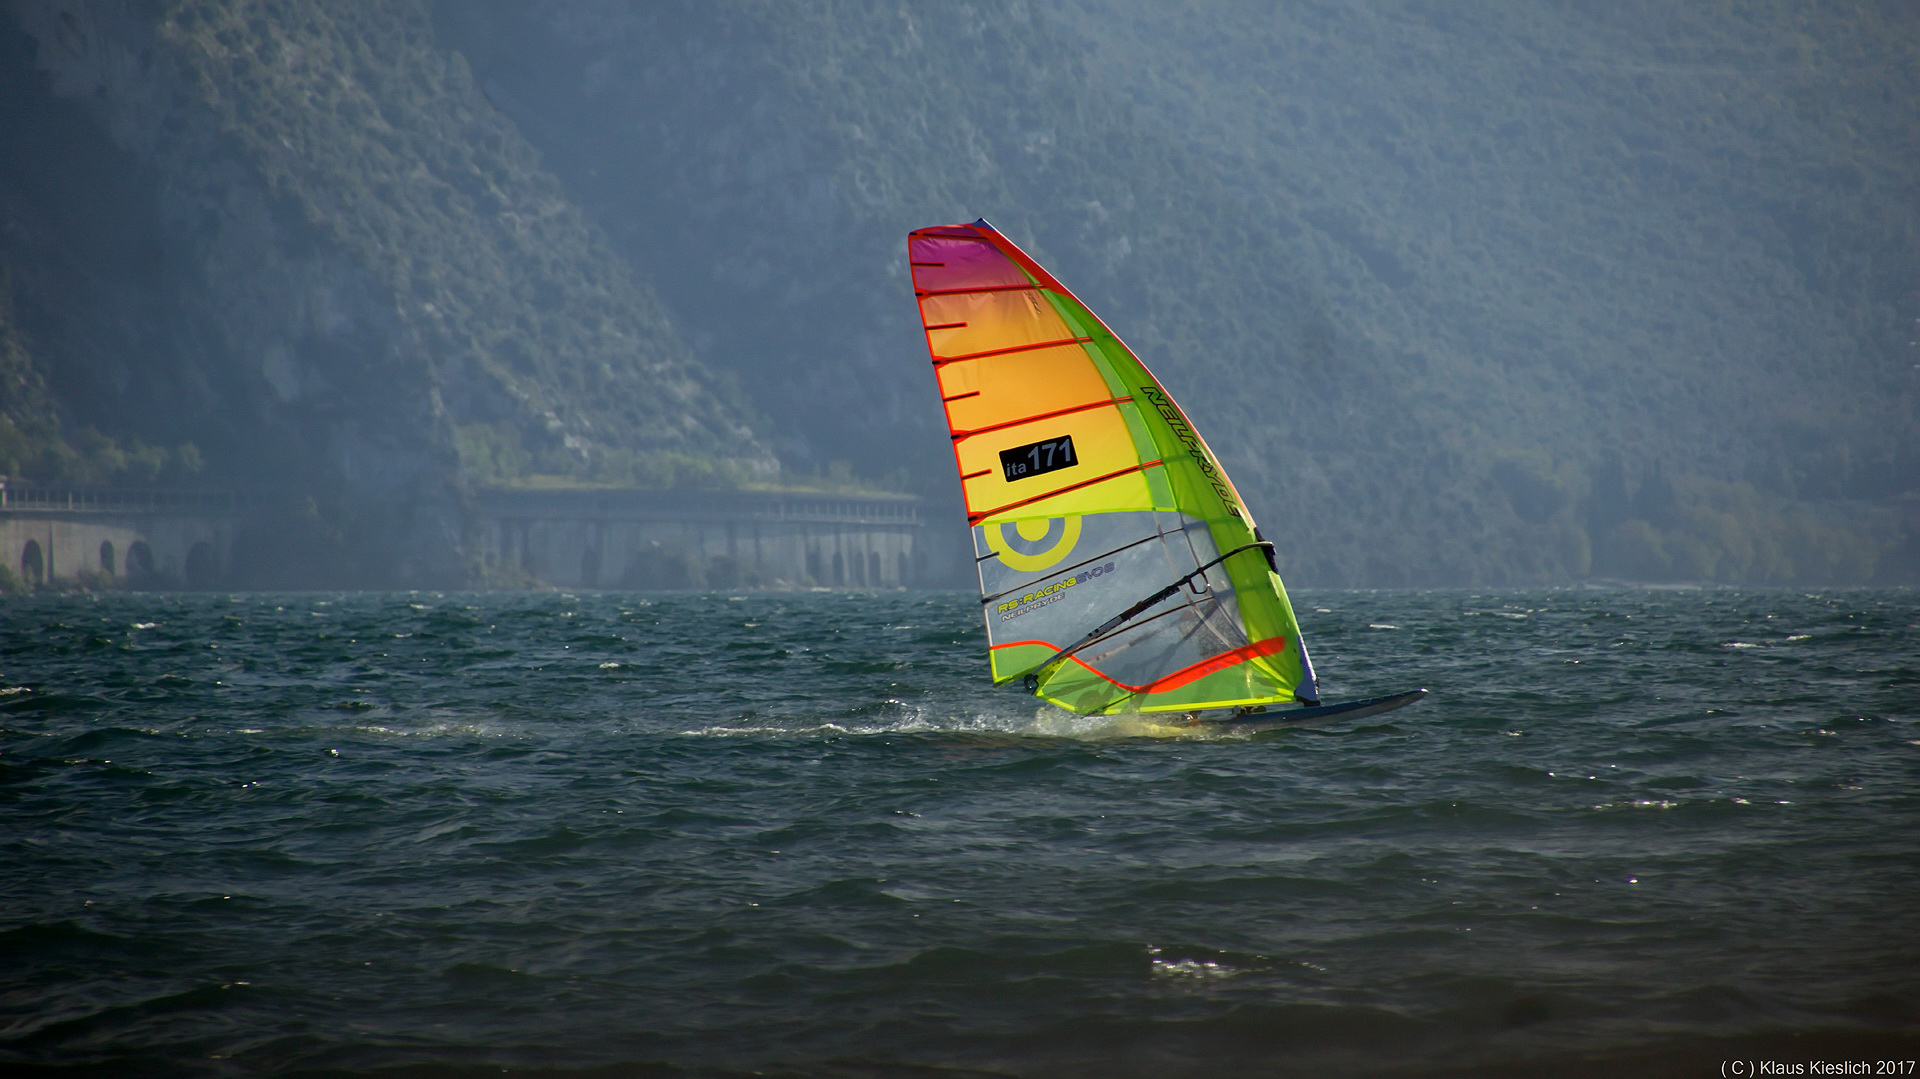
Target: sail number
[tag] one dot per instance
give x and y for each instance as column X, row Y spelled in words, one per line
column 1037, row 458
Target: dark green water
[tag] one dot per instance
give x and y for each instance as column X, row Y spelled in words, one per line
column 799, row 835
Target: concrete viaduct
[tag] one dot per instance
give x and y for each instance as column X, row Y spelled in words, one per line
column 568, row 538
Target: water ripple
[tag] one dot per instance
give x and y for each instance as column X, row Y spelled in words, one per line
column 801, row 835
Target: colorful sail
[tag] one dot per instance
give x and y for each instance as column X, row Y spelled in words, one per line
column 1119, row 569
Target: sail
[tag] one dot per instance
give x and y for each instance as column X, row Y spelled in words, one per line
column 1119, row 569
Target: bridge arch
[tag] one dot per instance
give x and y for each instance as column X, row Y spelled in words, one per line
column 139, row 560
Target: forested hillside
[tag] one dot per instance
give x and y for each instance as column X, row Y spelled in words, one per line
column 1463, row 294
column 1508, row 292
column 292, row 245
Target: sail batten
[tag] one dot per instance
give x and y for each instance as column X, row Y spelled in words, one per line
column 969, row 291
column 1011, row 506
column 942, row 360
column 1065, row 443
column 958, row 435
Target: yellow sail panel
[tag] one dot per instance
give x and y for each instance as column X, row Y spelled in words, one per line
column 983, row 392
column 1130, row 490
column 1004, row 468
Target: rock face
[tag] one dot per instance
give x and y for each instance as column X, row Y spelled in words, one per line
column 351, row 279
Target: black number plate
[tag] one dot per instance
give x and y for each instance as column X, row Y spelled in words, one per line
column 1039, row 458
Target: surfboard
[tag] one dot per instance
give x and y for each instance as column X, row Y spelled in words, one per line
column 1250, row 720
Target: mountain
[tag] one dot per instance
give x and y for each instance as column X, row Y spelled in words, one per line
column 296, row 238
column 1522, row 293
column 1517, row 293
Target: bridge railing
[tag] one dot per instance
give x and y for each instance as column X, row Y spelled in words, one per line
column 36, row 496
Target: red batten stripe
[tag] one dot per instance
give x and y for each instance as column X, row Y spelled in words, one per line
column 961, row 396
column 1181, row 677
column 926, row 263
column 976, row 475
column 945, row 326
column 1217, row 663
column 938, row 231
column 940, row 360
column 958, row 435
column 925, row 292
column 976, row 518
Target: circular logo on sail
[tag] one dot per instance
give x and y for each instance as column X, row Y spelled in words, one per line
column 1037, row 543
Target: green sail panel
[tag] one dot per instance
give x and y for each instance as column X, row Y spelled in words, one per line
column 1119, row 569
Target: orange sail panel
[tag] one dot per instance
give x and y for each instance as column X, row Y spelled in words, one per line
column 1088, row 492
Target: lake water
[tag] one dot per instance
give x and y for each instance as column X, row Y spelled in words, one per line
column 1631, row 832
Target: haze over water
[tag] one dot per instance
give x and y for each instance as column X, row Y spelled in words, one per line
column 800, row 833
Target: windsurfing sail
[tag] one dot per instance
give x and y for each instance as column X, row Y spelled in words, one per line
column 1119, row 569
